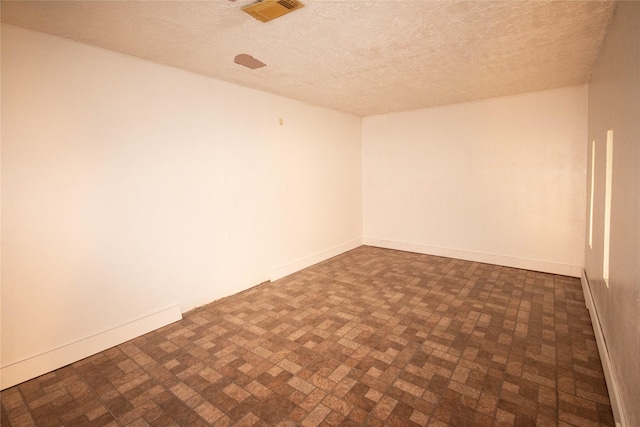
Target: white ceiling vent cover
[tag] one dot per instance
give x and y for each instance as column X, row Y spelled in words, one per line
column 267, row 10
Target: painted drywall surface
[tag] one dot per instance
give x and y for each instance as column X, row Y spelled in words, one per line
column 325, row 161
column 614, row 104
column 129, row 187
column 503, row 176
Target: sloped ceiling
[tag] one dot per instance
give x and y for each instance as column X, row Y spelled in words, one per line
column 361, row 57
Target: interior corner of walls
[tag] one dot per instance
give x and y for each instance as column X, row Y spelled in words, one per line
column 56, row 358
column 308, row 261
column 586, row 289
column 503, row 260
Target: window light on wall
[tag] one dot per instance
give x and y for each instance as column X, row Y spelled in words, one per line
column 607, row 207
column 593, row 167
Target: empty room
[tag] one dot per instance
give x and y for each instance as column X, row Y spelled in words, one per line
column 320, row 213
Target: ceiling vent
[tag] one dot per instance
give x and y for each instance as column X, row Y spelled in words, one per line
column 267, row 10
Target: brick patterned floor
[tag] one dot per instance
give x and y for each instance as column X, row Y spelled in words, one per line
column 372, row 337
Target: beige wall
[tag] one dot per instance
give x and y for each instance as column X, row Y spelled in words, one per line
column 614, row 104
column 499, row 180
column 308, row 153
column 130, row 187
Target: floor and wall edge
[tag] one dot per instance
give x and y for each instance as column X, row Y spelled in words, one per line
column 507, row 261
column 612, row 384
column 287, row 269
column 32, row 367
column 48, row 361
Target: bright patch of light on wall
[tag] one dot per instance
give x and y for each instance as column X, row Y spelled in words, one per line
column 607, row 207
column 593, row 170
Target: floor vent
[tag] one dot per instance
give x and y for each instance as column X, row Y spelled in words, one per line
column 268, row 10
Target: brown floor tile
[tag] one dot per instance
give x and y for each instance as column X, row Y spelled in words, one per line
column 372, row 337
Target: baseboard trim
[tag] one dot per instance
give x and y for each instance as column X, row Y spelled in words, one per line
column 612, row 384
column 287, row 269
column 507, row 261
column 48, row 361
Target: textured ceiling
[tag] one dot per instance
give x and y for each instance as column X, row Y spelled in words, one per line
column 362, row 57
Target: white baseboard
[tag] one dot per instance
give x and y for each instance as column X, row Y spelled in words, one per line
column 507, row 261
column 287, row 269
column 35, row 366
column 612, row 383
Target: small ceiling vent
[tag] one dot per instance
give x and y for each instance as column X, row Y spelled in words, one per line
column 267, row 10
